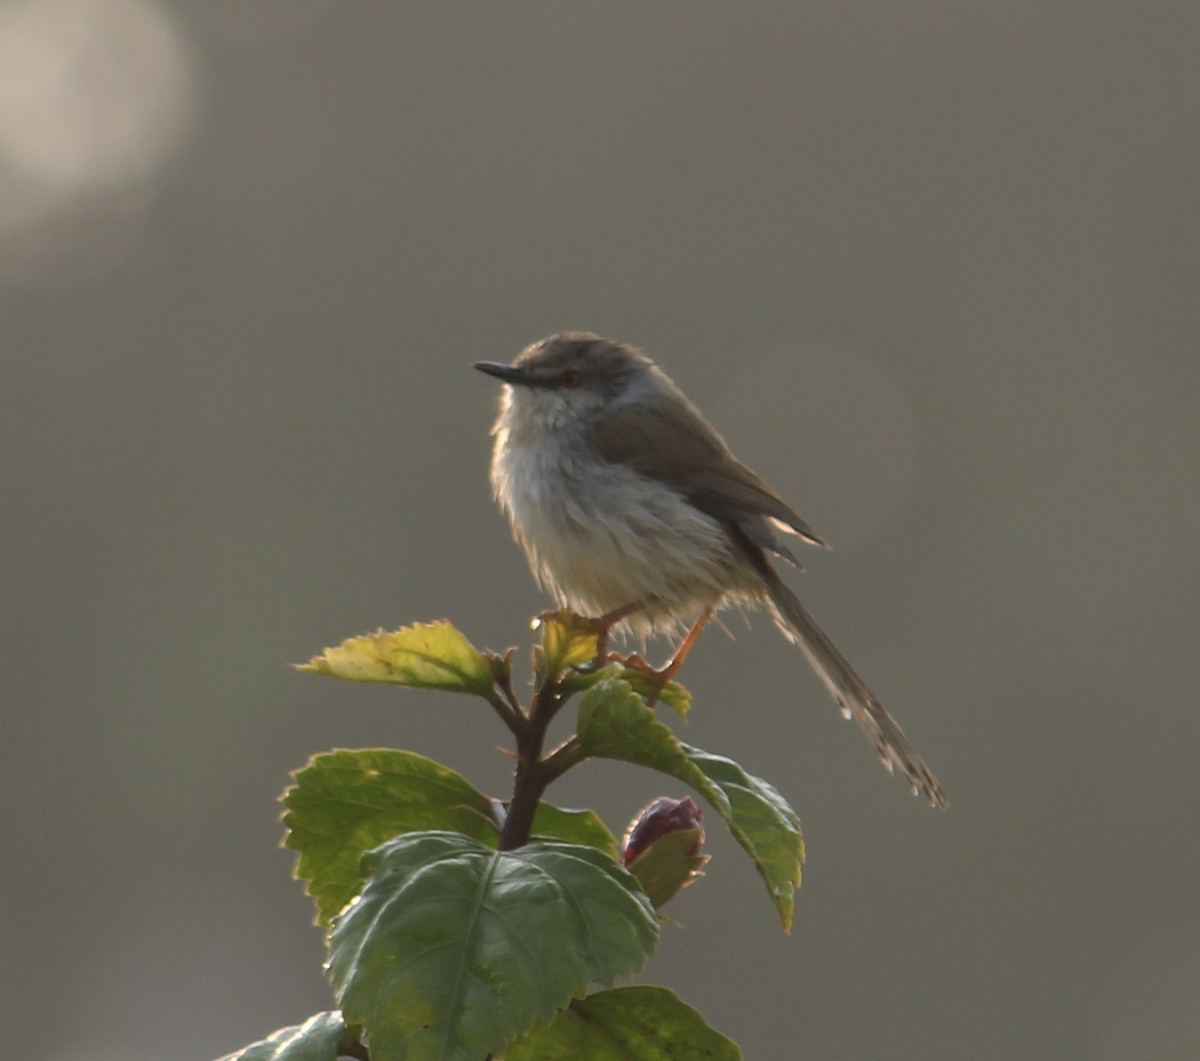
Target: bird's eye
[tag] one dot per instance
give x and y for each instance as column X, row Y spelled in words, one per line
column 571, row 378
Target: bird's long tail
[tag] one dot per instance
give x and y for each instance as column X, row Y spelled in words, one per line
column 851, row 692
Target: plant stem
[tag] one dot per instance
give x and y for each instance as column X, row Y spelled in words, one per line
column 527, row 793
column 512, row 719
column 532, row 774
column 558, row 762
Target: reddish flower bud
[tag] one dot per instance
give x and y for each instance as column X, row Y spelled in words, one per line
column 659, row 818
column 662, row 847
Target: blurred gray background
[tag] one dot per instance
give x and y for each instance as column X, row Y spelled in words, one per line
column 932, row 269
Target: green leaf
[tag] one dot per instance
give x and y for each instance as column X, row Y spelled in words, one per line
column 615, row 724
column 762, row 822
column 346, row 802
column 625, row 1024
column 574, row 827
column 321, row 1038
column 674, row 695
column 453, row 949
column 423, row 656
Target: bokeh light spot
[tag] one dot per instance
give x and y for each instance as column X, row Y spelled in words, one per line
column 91, row 91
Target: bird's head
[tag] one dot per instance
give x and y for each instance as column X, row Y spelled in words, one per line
column 570, row 377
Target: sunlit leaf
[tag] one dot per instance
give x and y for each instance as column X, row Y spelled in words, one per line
column 454, row 949
column 568, row 640
column 625, row 1024
column 424, row 656
column 346, row 802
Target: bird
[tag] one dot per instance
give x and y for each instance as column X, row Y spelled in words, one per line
column 632, row 510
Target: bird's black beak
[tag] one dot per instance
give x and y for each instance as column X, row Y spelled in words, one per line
column 517, row 375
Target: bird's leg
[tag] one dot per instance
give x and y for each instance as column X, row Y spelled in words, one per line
column 606, row 622
column 659, row 676
column 601, row 626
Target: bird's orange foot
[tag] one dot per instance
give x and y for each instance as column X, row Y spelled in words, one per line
column 656, row 677
column 659, row 676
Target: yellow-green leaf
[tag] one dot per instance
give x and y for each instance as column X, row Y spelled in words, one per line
column 423, row 656
column 568, row 640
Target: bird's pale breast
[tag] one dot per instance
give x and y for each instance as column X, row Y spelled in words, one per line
column 601, row 535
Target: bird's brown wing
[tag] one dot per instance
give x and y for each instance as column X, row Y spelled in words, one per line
column 683, row 451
